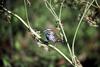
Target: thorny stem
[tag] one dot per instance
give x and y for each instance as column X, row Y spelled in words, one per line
column 85, row 11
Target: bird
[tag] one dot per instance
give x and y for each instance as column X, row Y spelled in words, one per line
column 50, row 35
column 53, row 36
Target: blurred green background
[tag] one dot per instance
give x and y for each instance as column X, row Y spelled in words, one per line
column 18, row 48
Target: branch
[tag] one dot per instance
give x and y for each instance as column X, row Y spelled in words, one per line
column 61, row 53
column 18, row 17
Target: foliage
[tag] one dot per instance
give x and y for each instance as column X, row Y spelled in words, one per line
column 19, row 48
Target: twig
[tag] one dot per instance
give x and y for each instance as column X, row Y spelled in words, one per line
column 61, row 53
column 97, row 4
column 58, row 19
column 74, row 39
column 18, row 17
column 65, row 38
column 50, row 8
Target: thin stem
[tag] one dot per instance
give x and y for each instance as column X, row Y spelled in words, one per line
column 26, row 12
column 18, row 17
column 97, row 4
column 50, row 8
column 76, row 33
column 61, row 53
column 85, row 11
column 91, row 5
column 63, row 32
column 27, row 16
column 59, row 21
column 60, row 11
column 28, row 2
